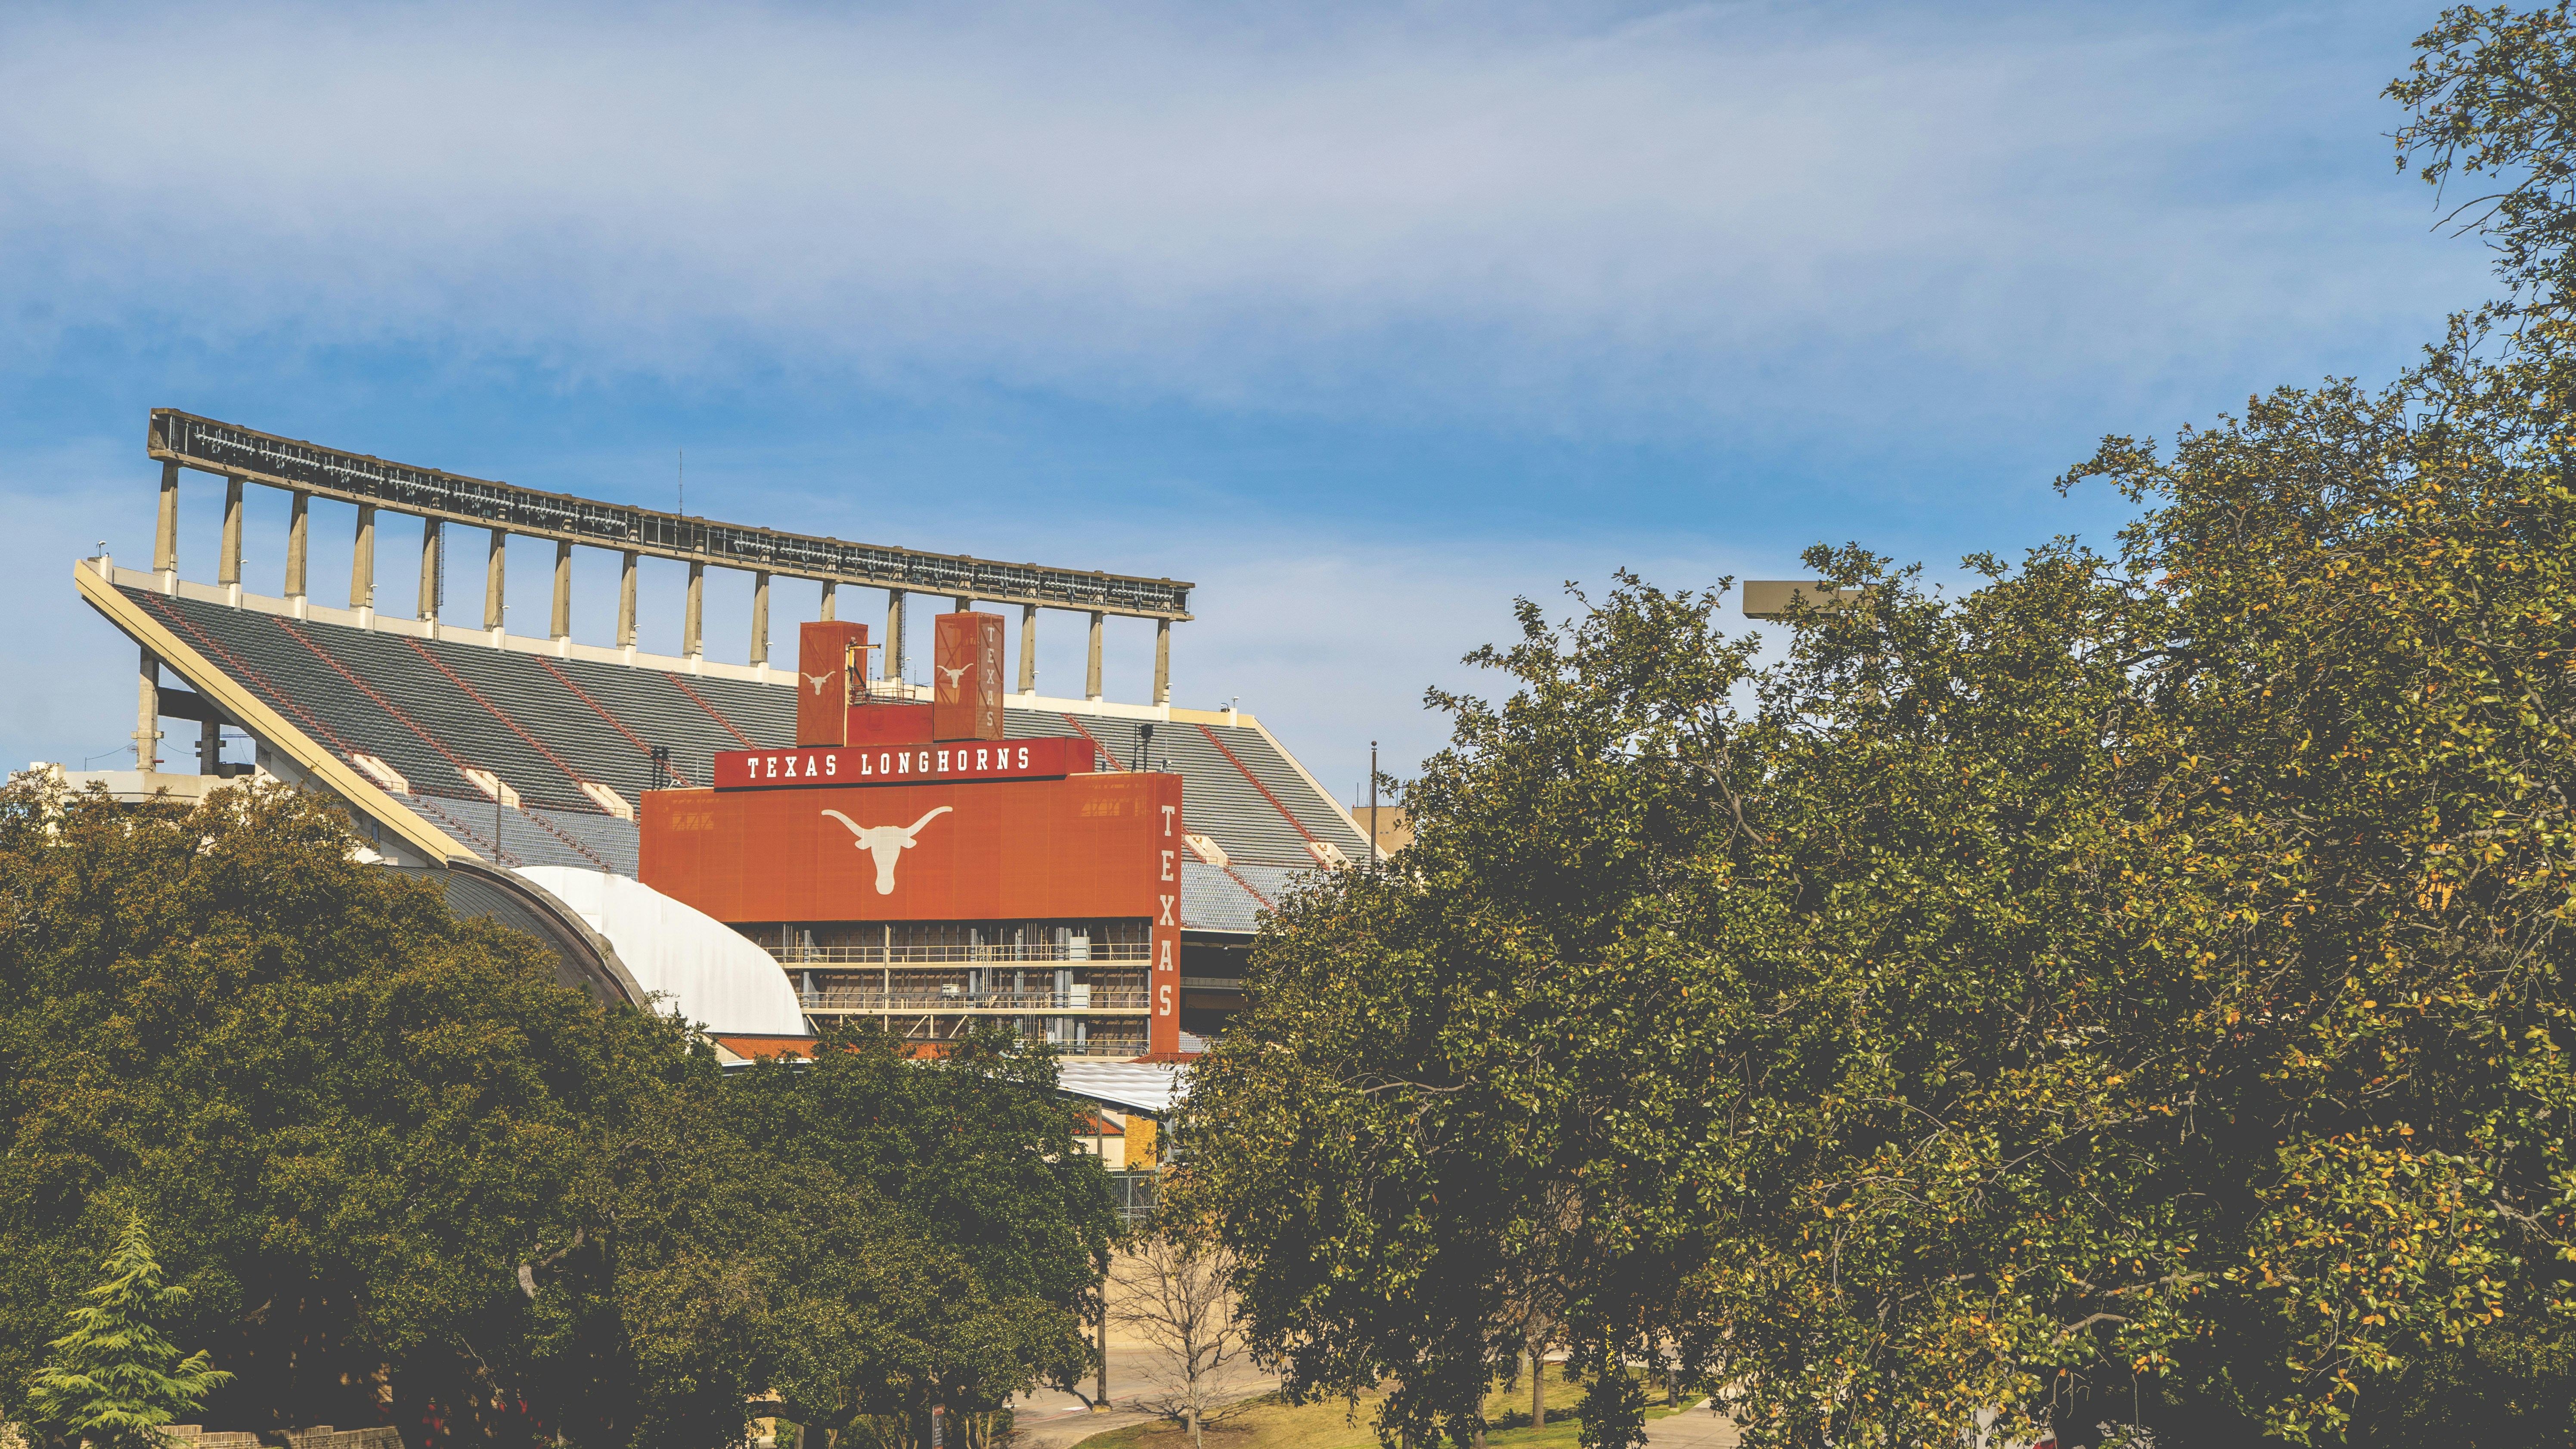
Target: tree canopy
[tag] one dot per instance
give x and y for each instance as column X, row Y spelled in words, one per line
column 402, row 1175
column 970, row 1157
column 2127, row 989
column 348, row 1116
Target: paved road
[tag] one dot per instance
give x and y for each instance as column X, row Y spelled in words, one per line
column 1050, row 1420
column 1058, row 1431
column 1693, row 1428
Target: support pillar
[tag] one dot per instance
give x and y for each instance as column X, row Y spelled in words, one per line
column 561, row 627
column 626, row 602
column 894, row 661
column 228, row 567
column 362, row 565
column 964, row 603
column 1162, row 661
column 495, row 562
column 147, row 714
column 759, row 618
column 692, row 634
column 429, row 590
column 165, row 537
column 1028, row 648
column 210, row 746
column 1091, row 677
column 295, row 533
column 831, row 601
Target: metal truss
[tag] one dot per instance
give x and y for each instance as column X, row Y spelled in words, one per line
column 238, row 452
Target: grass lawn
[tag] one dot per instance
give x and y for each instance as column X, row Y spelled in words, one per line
column 1267, row 1424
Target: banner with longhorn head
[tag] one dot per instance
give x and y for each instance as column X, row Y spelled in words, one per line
column 831, row 667
column 966, row 692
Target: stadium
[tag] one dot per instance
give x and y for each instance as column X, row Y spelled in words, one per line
column 1096, row 889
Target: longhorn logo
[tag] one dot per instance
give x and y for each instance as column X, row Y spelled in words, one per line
column 819, row 681
column 886, row 842
column 954, row 675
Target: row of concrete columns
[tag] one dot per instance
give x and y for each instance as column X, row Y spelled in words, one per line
column 362, row 589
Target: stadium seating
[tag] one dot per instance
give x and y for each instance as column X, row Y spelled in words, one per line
column 433, row 709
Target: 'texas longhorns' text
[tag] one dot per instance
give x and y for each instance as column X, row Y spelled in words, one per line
column 904, row 764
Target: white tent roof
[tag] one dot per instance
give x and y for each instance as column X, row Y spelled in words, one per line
column 700, row 965
column 1132, row 1086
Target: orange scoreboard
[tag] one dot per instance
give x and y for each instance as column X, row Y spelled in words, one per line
column 923, row 829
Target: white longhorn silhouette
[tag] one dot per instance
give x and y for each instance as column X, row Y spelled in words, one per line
column 887, row 842
column 955, row 674
column 819, row 680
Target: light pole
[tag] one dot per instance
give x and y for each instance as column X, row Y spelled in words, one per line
column 1373, row 830
column 1100, row 1386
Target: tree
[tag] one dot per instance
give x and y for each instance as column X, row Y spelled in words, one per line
column 2131, row 979
column 351, row 1116
column 403, row 1175
column 969, row 1159
column 115, row 1379
column 1172, row 1288
column 2487, row 105
column 1417, row 1133
column 2135, row 989
column 709, row 1273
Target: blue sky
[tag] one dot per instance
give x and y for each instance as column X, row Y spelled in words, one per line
column 1363, row 318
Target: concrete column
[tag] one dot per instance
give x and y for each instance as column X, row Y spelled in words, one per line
column 1162, row 661
column 1028, row 648
column 210, row 746
column 759, row 617
column 894, row 634
column 147, row 714
column 429, row 534
column 495, row 561
column 963, row 603
column 228, row 568
column 362, row 561
column 692, row 633
column 626, row 602
column 165, row 538
column 295, row 528
column 1091, row 679
column 831, row 601
column 562, row 625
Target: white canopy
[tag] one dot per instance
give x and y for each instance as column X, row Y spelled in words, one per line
column 1130, row 1086
column 696, row 963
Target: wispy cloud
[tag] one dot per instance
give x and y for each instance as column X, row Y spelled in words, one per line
column 1580, row 218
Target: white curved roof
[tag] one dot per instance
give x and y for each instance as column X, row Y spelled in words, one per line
column 1135, row 1086
column 700, row 965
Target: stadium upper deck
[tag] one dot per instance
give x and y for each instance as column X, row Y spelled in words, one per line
column 411, row 713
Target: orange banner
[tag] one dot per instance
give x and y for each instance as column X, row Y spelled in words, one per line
column 1083, row 847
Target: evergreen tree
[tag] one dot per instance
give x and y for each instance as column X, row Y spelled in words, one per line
column 115, row 1379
